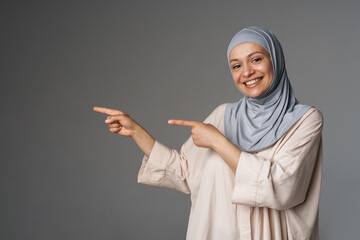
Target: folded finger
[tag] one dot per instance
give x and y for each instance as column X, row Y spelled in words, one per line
column 114, row 125
column 113, row 130
column 111, row 119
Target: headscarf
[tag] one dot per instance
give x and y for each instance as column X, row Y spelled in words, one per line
column 254, row 124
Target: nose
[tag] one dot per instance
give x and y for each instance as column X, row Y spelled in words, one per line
column 248, row 70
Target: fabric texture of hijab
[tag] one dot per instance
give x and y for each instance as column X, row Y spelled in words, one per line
column 254, row 124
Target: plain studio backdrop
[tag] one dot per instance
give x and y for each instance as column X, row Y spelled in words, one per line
column 63, row 175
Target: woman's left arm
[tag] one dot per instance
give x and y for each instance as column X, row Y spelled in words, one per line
column 227, row 151
column 207, row 136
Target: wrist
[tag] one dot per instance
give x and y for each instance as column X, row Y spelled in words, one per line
column 218, row 142
column 136, row 131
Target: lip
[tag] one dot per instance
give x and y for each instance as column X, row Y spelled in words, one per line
column 252, row 85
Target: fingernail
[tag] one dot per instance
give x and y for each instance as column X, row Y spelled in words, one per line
column 107, row 120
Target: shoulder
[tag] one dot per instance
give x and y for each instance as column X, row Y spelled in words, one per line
column 314, row 114
column 303, row 136
column 220, row 109
column 310, row 124
column 216, row 114
column 313, row 117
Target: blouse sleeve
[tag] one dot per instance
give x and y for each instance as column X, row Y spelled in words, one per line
column 281, row 182
column 169, row 168
column 164, row 167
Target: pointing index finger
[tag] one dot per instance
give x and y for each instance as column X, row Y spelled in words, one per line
column 181, row 122
column 108, row 111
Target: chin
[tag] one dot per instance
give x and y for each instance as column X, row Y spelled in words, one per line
column 255, row 95
column 252, row 94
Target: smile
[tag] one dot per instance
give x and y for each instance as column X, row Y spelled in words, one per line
column 253, row 82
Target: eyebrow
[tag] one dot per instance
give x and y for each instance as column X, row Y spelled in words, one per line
column 235, row 59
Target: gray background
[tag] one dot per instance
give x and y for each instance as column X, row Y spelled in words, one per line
column 63, row 175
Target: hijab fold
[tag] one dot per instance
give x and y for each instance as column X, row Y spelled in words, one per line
column 254, row 124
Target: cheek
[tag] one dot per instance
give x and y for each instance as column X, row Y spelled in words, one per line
column 271, row 76
column 235, row 76
column 264, row 69
column 268, row 69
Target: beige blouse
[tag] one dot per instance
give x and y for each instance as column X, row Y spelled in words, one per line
column 274, row 193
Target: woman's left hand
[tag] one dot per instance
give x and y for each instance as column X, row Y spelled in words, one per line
column 203, row 134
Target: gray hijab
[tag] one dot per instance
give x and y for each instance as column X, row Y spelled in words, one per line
column 254, row 124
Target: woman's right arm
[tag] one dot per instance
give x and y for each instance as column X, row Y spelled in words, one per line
column 161, row 166
column 143, row 139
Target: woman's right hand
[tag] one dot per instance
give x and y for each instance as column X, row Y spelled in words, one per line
column 118, row 121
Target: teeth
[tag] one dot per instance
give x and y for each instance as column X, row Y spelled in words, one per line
column 252, row 81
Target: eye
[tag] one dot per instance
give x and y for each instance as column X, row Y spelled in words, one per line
column 236, row 66
column 256, row 60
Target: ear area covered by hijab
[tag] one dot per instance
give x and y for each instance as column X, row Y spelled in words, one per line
column 254, row 124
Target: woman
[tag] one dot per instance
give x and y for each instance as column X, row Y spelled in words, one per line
column 253, row 167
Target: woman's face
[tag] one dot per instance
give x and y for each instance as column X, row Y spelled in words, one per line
column 251, row 68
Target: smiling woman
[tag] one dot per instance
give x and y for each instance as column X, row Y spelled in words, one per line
column 252, row 167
